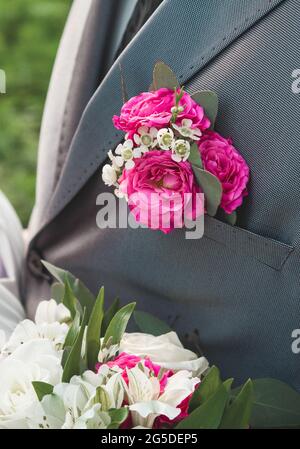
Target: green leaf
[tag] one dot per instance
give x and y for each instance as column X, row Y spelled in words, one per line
column 211, row 187
column 276, row 405
column 117, row 326
column 69, row 299
column 117, row 416
column 238, row 412
column 73, row 331
column 57, row 292
column 209, row 414
column 231, row 218
column 80, row 291
column 109, row 314
column 163, row 76
column 195, row 156
column 65, row 356
column 149, row 324
column 210, row 103
column 58, row 273
column 42, row 389
column 228, row 383
column 209, row 385
column 73, row 362
column 94, row 331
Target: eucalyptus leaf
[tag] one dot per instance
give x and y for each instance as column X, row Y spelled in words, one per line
column 238, row 413
column 117, row 326
column 109, row 314
column 195, row 156
column 209, row 385
column 210, row 103
column 94, row 331
column 276, row 405
column 212, row 189
column 73, row 363
column 231, row 218
column 163, row 76
column 209, row 414
column 42, row 389
column 149, row 324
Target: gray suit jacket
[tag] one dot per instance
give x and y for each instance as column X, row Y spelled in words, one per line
column 236, row 291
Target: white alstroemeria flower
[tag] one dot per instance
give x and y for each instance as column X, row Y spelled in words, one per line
column 146, row 138
column 51, row 312
column 144, row 398
column 165, row 350
column 107, row 353
column 34, row 361
column 77, row 405
column 186, row 129
column 93, row 418
column 128, row 153
column 27, row 331
column 117, row 161
column 180, row 150
column 165, row 138
column 109, row 175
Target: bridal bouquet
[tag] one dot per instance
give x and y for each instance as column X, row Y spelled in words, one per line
column 75, row 367
column 172, row 166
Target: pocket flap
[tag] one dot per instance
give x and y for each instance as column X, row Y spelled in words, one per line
column 268, row 251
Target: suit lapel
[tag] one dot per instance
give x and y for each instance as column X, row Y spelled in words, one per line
column 178, row 34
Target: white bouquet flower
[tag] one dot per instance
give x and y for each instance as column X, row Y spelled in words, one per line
column 75, row 367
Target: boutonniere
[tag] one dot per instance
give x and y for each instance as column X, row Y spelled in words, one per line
column 172, row 164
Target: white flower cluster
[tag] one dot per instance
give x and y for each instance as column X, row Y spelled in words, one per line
column 177, row 140
column 33, row 354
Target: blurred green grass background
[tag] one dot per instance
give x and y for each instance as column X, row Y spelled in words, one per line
column 29, row 35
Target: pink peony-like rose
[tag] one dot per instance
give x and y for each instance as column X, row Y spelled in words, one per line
column 154, row 109
column 161, row 193
column 220, row 158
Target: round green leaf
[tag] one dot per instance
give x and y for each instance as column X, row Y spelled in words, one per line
column 163, row 76
column 212, row 189
column 210, row 103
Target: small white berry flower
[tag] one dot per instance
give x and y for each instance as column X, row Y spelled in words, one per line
column 128, row 153
column 181, row 150
column 165, row 138
column 186, row 129
column 109, row 175
column 146, row 138
column 117, row 161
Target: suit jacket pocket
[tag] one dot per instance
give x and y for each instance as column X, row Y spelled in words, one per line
column 268, row 251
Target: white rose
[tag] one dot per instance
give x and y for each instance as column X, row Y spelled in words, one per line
column 165, row 350
column 36, row 360
column 51, row 312
column 109, row 175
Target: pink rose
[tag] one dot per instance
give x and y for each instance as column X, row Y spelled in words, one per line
column 220, row 158
column 154, row 109
column 161, row 192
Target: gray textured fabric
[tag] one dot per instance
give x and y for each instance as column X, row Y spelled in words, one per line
column 78, row 68
column 236, row 291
